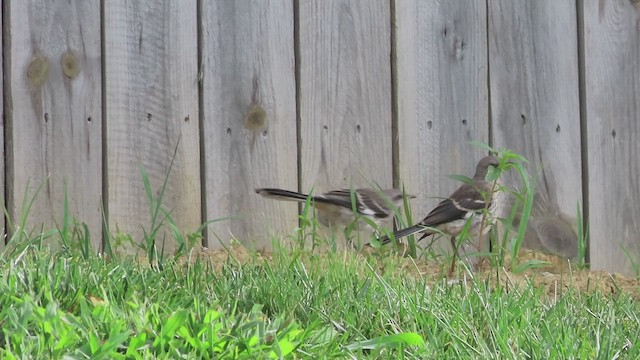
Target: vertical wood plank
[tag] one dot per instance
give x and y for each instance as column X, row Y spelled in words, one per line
column 612, row 86
column 152, row 103
column 345, row 94
column 442, row 95
column 54, row 111
column 533, row 55
column 3, row 166
column 249, row 118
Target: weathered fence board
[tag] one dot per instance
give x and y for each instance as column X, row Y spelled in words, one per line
column 305, row 94
column 2, row 142
column 442, row 95
column 345, row 95
column 151, row 104
column 54, row 111
column 249, row 117
column 612, row 86
column 533, row 53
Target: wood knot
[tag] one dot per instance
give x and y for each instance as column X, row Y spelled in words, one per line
column 458, row 48
column 70, row 66
column 37, row 71
column 255, row 118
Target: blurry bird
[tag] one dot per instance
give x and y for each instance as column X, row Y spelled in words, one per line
column 451, row 215
column 335, row 208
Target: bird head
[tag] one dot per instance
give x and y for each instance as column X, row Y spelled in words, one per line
column 483, row 166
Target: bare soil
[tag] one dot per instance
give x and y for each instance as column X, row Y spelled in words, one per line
column 558, row 277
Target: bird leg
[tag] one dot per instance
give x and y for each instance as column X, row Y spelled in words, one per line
column 454, row 245
column 352, row 235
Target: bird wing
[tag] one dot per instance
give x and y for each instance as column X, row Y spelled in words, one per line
column 368, row 202
column 463, row 202
column 445, row 212
column 467, row 199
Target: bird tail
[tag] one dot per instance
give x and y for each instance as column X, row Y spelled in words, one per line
column 405, row 232
column 280, row 194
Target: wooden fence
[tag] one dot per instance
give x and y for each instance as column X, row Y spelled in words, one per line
column 304, row 94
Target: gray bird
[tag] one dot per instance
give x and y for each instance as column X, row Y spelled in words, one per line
column 335, row 208
column 450, row 216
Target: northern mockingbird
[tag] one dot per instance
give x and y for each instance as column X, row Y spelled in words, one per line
column 467, row 203
column 335, row 208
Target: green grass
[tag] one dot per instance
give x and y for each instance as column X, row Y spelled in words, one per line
column 297, row 305
column 60, row 300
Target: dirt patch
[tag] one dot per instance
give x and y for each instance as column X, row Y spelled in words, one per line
column 561, row 275
column 236, row 254
column 556, row 277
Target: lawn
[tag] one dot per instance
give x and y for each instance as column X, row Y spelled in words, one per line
column 301, row 304
column 60, row 299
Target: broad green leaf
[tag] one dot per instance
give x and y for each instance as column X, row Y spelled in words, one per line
column 282, row 349
column 136, row 342
column 493, row 173
column 173, row 323
column 482, row 145
column 407, row 339
column 211, row 316
column 8, row 356
column 460, row 178
column 529, row 265
column 108, row 349
column 94, row 343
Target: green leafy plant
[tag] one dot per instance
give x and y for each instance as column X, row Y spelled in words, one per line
column 158, row 217
column 509, row 160
column 307, row 230
column 19, row 237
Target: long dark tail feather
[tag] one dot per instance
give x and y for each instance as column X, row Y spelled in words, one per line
column 280, row 194
column 403, row 233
